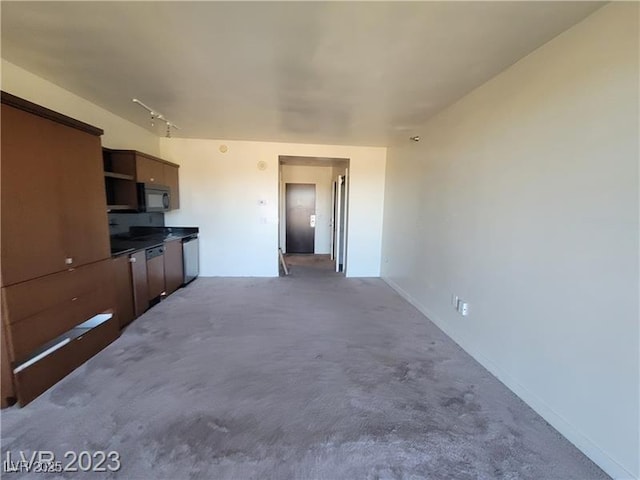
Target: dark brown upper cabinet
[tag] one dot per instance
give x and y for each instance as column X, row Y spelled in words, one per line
column 123, row 168
column 171, row 181
column 149, row 170
column 52, row 192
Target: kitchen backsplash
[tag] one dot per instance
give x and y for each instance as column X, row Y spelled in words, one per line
column 120, row 222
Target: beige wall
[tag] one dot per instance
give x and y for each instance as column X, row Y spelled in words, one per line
column 236, row 205
column 118, row 132
column 522, row 198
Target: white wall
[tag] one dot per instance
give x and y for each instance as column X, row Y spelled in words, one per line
column 118, row 132
column 321, row 178
column 522, row 198
column 220, row 193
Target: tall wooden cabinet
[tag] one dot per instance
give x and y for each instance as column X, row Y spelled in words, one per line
column 58, row 300
column 53, row 199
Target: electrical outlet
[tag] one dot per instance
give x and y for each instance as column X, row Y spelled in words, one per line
column 454, row 301
column 464, row 309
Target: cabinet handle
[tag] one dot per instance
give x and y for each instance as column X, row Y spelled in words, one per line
column 74, row 299
column 152, row 179
column 132, row 260
column 68, row 260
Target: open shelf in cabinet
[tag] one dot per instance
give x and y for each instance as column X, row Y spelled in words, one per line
column 120, row 184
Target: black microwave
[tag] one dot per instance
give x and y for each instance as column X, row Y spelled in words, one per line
column 153, row 198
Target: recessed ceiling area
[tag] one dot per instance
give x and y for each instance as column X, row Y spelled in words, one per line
column 348, row 73
column 313, row 161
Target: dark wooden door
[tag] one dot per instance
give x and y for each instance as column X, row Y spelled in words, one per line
column 124, row 290
column 32, row 232
column 84, row 208
column 171, row 181
column 173, row 266
column 149, row 170
column 139, row 279
column 300, row 219
column 155, row 276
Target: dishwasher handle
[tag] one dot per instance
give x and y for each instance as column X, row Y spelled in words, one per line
column 154, row 252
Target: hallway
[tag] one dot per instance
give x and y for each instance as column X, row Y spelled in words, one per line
column 307, row 265
column 307, row 376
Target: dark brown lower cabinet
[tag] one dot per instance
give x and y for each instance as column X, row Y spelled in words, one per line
column 38, row 377
column 53, row 324
column 124, row 290
column 155, row 276
column 173, row 265
column 138, row 262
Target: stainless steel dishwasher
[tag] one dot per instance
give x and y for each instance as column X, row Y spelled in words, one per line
column 191, row 258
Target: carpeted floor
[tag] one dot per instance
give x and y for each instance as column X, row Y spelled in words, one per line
column 300, row 377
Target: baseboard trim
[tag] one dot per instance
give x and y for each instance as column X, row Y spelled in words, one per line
column 570, row 432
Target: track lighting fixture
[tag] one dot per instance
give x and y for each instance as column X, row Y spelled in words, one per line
column 157, row 116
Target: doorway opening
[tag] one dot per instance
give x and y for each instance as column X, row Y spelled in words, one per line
column 313, row 213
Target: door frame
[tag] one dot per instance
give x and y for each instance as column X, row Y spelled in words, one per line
column 340, row 221
column 281, row 233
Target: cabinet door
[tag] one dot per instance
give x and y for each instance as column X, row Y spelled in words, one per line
column 171, row 180
column 139, row 279
column 149, row 171
column 173, row 266
column 124, row 290
column 155, row 276
column 84, row 205
column 32, row 233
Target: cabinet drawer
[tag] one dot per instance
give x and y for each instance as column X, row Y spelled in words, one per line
column 39, row 376
column 29, row 298
column 30, row 333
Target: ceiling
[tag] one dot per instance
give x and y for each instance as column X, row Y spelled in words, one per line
column 311, row 72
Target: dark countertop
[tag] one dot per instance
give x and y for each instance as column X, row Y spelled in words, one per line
column 141, row 238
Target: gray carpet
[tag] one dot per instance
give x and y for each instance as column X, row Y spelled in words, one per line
column 307, row 376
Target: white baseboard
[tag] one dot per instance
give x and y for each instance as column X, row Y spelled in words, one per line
column 569, row 431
